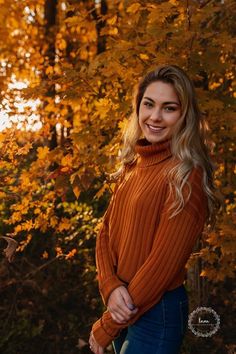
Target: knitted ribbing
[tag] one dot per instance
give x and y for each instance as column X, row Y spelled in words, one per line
column 151, row 154
column 138, row 245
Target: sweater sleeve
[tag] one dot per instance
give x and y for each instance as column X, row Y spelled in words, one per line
column 172, row 246
column 107, row 278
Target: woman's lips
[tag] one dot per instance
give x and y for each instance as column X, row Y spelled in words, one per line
column 155, row 129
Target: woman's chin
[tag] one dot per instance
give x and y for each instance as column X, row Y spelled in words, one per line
column 155, row 139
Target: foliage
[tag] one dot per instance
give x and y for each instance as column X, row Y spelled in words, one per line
column 80, row 71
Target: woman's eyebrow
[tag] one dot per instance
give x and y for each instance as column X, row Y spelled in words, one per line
column 168, row 102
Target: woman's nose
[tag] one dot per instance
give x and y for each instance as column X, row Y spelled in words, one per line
column 156, row 115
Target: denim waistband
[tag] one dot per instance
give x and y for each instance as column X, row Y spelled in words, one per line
column 179, row 291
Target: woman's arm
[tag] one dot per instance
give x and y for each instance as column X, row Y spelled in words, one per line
column 107, row 278
column 173, row 244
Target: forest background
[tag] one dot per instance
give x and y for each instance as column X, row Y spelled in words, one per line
column 68, row 71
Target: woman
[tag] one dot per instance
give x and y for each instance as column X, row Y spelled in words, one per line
column 162, row 199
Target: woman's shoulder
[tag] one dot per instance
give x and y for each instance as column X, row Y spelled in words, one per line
column 118, row 177
column 127, row 169
column 193, row 178
column 195, row 172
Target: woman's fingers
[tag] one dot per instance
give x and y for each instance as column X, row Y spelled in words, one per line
column 121, row 318
column 126, row 298
column 94, row 346
column 100, row 350
column 117, row 317
column 120, row 305
column 122, row 311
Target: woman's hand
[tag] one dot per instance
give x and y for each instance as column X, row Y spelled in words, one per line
column 120, row 305
column 94, row 346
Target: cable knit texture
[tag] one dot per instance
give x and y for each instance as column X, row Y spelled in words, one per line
column 139, row 245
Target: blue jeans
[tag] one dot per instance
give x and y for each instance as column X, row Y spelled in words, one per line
column 160, row 330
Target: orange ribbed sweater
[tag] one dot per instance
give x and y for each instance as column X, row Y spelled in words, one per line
column 138, row 245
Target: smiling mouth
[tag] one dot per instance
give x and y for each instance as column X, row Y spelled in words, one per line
column 155, row 129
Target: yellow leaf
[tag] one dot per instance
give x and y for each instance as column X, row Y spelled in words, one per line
column 62, row 44
column 214, row 85
column 64, row 111
column 2, row 138
column 65, row 169
column 144, row 56
column 17, row 229
column 28, row 225
column 45, row 255
column 24, row 243
column 13, row 22
column 66, row 124
column 133, row 8
column 25, row 149
column 58, row 251
column 42, row 152
column 16, row 216
column 49, row 70
column 66, row 160
column 102, row 190
column 34, row 31
column 73, row 20
column 53, row 221
column 102, row 107
column 112, row 20
column 50, row 108
column 76, row 191
column 2, row 195
column 64, row 224
column 71, row 254
column 113, row 31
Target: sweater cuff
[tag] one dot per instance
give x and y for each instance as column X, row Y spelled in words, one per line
column 108, row 286
column 101, row 335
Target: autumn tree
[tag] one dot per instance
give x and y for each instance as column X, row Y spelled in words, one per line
column 79, row 62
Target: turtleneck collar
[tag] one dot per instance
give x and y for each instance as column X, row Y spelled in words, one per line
column 151, row 154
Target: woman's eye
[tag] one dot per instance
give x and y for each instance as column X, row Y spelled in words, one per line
column 169, row 109
column 148, row 104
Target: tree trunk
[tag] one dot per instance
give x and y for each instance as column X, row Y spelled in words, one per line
column 50, row 11
column 100, row 24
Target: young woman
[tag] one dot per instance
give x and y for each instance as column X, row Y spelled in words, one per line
column 163, row 197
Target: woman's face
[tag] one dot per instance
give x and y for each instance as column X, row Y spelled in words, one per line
column 159, row 111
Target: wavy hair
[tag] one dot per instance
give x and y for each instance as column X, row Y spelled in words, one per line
column 188, row 143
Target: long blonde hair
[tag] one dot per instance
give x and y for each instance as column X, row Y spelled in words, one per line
column 188, row 143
